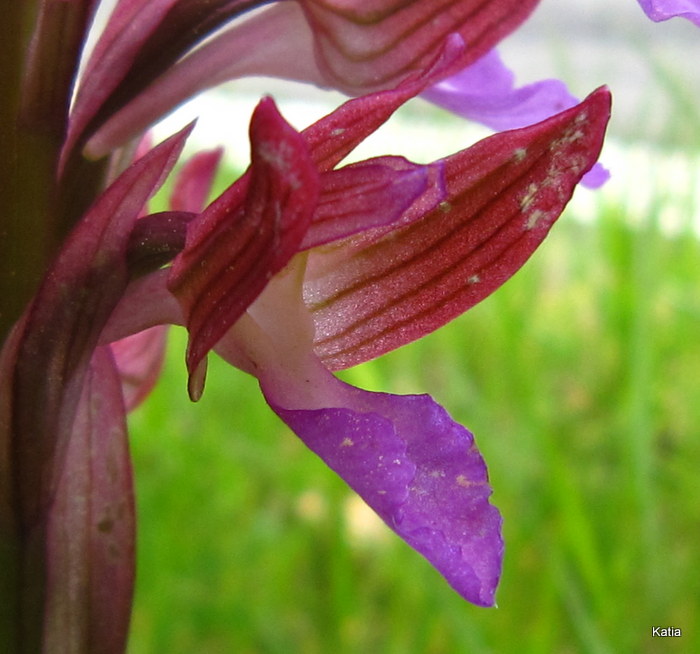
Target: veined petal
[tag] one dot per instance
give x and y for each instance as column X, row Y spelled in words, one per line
column 186, row 24
column 390, row 287
column 485, row 92
column 659, row 10
column 91, row 532
column 248, row 234
column 237, row 52
column 419, row 470
column 276, row 42
column 365, row 47
column 338, row 44
column 372, row 193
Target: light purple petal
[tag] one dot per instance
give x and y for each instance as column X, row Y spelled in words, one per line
column 485, row 92
column 595, row 177
column 659, row 10
column 419, row 470
column 372, row 193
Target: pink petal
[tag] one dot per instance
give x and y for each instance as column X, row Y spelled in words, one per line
column 248, row 234
column 235, row 53
column 194, row 181
column 387, row 288
column 140, row 41
column 91, row 530
column 139, row 359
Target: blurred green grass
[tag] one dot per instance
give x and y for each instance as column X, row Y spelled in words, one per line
column 580, row 380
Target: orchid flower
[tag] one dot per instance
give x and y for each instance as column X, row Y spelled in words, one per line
column 299, row 268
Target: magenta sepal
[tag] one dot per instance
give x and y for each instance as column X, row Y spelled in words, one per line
column 420, row 471
column 91, row 526
column 363, row 47
column 282, row 206
column 659, row 10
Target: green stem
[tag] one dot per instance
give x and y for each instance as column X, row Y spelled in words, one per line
column 26, row 171
column 35, row 214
